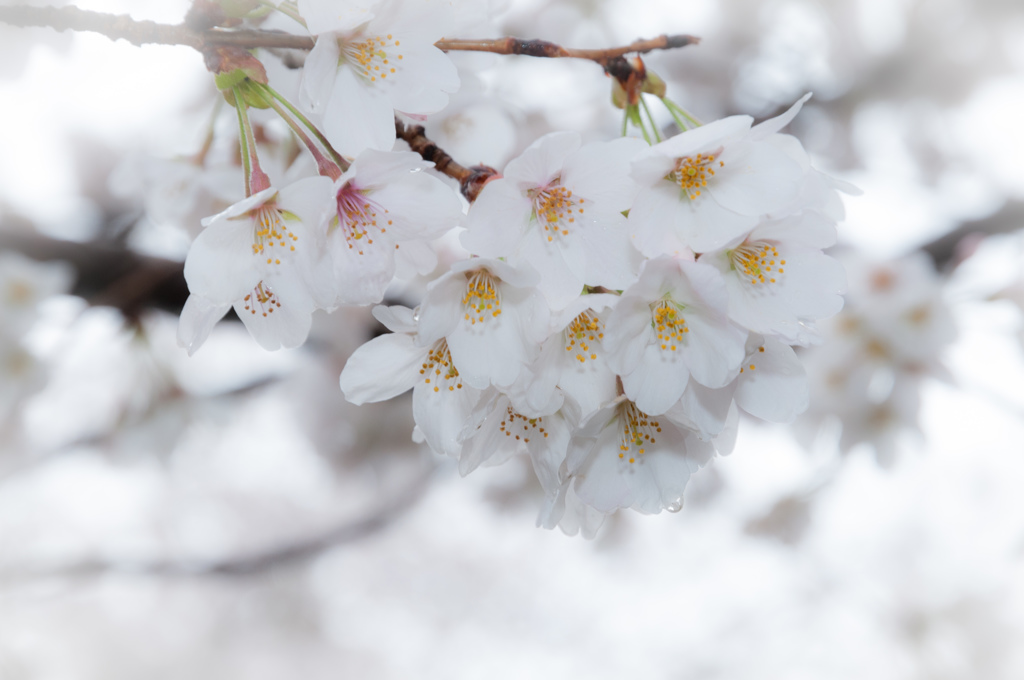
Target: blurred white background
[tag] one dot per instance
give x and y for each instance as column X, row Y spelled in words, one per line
column 230, row 516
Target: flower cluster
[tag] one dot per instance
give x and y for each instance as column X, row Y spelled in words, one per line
column 888, row 339
column 622, row 302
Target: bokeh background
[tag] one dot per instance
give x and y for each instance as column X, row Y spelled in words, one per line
column 231, row 516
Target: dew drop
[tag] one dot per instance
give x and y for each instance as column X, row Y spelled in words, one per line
column 675, row 506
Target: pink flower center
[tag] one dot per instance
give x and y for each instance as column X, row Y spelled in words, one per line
column 271, row 236
column 358, row 218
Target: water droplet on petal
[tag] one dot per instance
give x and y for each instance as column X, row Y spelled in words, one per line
column 675, row 506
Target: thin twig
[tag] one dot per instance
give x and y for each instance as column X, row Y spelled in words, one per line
column 139, row 32
column 542, row 48
column 471, row 180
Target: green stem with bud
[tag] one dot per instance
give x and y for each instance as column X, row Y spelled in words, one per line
column 324, row 166
column 255, row 179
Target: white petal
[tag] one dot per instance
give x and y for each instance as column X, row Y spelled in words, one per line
column 599, row 171
column 773, row 125
column 775, row 390
column 497, row 220
column 358, row 117
column 277, row 326
column 382, row 368
column 423, row 81
column 756, row 179
column 220, row 265
column 542, row 161
column 396, row 318
column 318, row 74
column 198, row 317
column 658, row 381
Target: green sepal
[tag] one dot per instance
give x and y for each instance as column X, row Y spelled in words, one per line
column 619, row 97
column 653, row 84
column 226, row 81
column 254, row 96
column 633, row 112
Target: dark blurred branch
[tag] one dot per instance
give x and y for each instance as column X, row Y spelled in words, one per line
column 110, row 274
column 955, row 246
column 256, row 563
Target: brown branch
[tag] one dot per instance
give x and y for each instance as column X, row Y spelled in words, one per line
column 542, row 48
column 192, row 34
column 471, row 180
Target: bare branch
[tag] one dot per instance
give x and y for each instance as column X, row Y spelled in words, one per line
column 140, row 32
column 281, row 556
column 471, row 180
column 542, row 48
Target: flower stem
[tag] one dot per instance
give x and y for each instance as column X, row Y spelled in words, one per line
column 672, row 106
column 255, row 179
column 335, row 156
column 324, row 166
column 243, row 142
column 680, row 123
column 654, row 126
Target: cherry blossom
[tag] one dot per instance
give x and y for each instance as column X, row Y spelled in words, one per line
column 559, row 207
column 260, row 256
column 443, row 405
column 778, row 277
column 372, row 60
column 574, row 358
column 384, row 208
column 623, row 457
column 670, row 325
column 707, row 186
column 492, row 317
